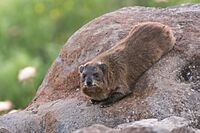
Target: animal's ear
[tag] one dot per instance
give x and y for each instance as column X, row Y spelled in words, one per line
column 81, row 68
column 103, row 67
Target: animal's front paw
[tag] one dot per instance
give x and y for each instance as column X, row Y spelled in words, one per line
column 105, row 104
column 116, row 96
column 92, row 101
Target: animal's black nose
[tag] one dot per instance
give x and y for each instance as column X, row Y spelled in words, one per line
column 89, row 83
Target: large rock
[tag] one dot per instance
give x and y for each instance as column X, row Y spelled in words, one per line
column 170, row 87
column 169, row 125
column 103, row 129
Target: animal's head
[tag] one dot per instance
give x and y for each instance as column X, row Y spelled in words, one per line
column 93, row 80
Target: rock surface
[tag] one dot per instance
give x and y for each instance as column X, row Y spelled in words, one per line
column 103, row 129
column 169, row 125
column 169, row 88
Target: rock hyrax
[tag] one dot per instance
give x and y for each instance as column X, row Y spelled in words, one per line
column 108, row 77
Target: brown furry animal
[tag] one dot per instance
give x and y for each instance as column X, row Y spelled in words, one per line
column 108, row 77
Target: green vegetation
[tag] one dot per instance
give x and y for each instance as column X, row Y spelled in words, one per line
column 33, row 31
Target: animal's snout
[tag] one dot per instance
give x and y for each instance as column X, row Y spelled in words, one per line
column 89, row 82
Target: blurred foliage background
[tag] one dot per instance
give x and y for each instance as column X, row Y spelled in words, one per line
column 33, row 31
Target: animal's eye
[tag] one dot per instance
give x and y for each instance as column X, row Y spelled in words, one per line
column 83, row 76
column 96, row 75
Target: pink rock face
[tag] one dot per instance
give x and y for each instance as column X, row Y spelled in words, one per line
column 170, row 87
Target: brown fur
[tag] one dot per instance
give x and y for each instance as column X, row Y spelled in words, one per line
column 128, row 60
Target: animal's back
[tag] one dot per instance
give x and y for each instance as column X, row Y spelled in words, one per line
column 145, row 45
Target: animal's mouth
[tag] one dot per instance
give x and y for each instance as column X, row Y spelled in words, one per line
column 93, row 89
column 95, row 92
column 90, row 86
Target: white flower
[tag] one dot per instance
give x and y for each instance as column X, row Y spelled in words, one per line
column 6, row 105
column 27, row 73
column 14, row 111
